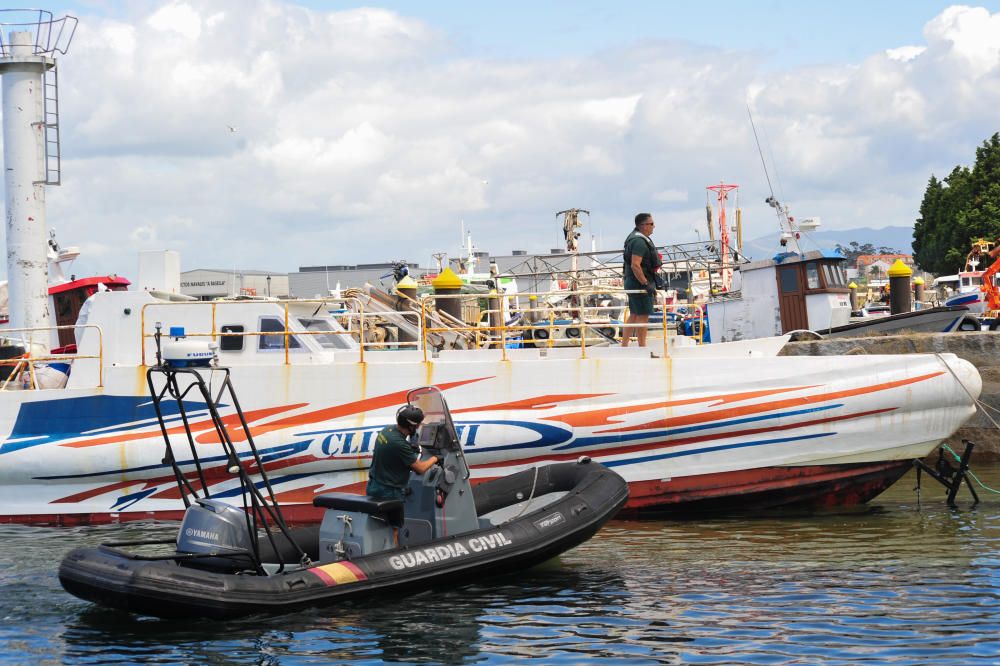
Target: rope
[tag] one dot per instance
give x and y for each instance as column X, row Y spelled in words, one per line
column 985, row 409
column 975, row 401
column 969, row 471
column 531, row 496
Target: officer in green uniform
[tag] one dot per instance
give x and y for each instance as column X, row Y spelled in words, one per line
column 641, row 261
column 394, row 457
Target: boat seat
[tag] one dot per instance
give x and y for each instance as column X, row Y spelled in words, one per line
column 389, row 510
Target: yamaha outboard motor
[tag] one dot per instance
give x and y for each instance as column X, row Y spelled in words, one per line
column 211, row 527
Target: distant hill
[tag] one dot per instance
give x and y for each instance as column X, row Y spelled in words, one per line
column 898, row 238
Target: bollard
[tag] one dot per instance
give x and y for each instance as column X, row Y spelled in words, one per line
column 495, row 314
column 532, row 315
column 446, row 284
column 854, row 296
column 899, row 288
column 918, row 293
column 407, row 287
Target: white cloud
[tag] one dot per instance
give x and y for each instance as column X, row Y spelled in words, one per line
column 177, row 17
column 969, row 34
column 905, row 53
column 671, row 196
column 364, row 135
column 616, row 111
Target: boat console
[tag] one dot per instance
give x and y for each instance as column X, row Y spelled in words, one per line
column 438, row 503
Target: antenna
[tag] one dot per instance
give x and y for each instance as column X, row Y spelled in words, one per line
column 789, row 235
column 571, row 222
column 440, row 257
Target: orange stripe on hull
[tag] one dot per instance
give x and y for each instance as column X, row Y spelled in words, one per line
column 231, row 421
column 330, row 413
column 602, row 417
column 663, row 444
column 703, row 417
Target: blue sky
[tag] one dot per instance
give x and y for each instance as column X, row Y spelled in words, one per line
column 373, row 133
column 790, row 32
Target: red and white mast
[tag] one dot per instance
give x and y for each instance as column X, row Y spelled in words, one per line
column 722, row 191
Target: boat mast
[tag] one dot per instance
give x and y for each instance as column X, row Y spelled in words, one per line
column 571, row 222
column 31, row 153
column 722, row 191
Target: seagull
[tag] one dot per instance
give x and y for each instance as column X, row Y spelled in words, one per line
column 231, row 128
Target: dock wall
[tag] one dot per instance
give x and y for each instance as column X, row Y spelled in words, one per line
column 980, row 349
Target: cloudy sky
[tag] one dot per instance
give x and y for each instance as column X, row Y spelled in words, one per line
column 262, row 134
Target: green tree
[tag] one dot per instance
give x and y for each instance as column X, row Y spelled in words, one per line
column 853, row 250
column 965, row 205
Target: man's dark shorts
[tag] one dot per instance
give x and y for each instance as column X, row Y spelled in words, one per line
column 640, row 304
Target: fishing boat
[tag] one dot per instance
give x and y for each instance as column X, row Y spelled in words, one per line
column 690, row 427
column 240, row 557
column 942, row 319
column 968, row 283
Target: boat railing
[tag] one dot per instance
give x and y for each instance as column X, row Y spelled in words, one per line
column 501, row 333
column 287, row 334
column 26, row 368
column 354, row 319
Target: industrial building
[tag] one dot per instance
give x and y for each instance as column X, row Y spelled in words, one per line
column 207, row 284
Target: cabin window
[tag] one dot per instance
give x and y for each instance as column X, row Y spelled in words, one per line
column 834, row 275
column 272, row 342
column 789, row 279
column 231, row 342
column 812, row 276
column 829, row 275
column 329, row 340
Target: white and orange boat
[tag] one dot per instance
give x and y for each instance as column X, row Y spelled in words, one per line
column 715, row 427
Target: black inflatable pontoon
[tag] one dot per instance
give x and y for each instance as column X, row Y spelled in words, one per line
column 230, row 561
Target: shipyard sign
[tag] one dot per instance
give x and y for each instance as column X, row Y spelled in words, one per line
column 479, row 544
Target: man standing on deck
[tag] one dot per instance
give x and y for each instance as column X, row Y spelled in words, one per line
column 394, row 457
column 641, row 261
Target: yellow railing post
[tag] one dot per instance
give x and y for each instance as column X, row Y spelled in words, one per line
column 503, row 335
column 26, row 363
column 287, row 333
column 663, row 309
column 423, row 327
column 361, row 336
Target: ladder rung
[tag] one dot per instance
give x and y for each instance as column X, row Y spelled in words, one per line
column 53, row 154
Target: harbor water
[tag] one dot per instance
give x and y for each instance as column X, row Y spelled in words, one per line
column 905, row 580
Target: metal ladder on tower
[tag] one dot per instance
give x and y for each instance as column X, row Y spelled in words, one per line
column 53, row 154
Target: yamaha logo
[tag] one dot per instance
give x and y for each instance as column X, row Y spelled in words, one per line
column 201, row 534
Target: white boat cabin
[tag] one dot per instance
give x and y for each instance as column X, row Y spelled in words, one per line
column 790, row 292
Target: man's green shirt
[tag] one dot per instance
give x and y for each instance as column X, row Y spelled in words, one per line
column 391, row 460
column 637, row 245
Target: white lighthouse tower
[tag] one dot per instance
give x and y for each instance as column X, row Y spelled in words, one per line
column 29, row 41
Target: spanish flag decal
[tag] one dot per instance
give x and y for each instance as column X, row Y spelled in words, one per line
column 339, row 573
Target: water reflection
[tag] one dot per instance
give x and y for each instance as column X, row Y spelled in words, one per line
column 546, row 611
column 896, row 582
